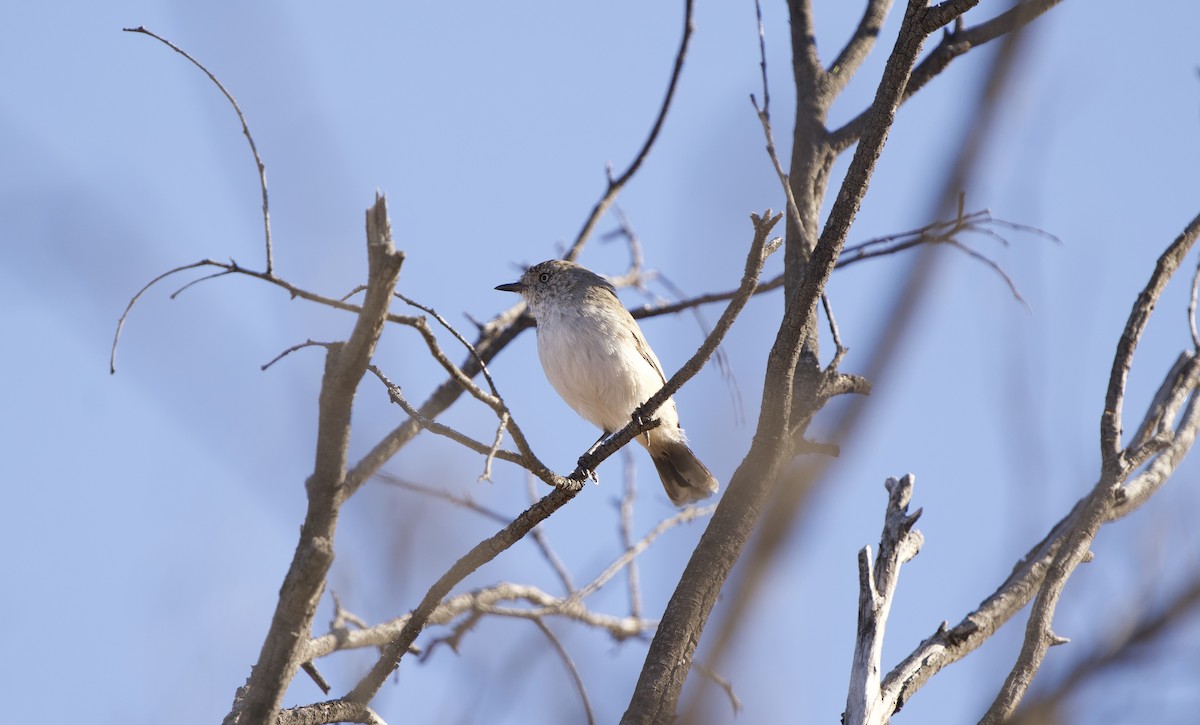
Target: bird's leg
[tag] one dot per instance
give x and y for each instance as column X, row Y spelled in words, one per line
column 603, row 435
column 590, row 473
column 639, row 421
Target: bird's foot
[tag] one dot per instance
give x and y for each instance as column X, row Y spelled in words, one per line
column 588, row 473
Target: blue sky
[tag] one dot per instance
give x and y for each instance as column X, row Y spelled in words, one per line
column 153, row 513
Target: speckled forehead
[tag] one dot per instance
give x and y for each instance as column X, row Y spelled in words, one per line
column 551, row 265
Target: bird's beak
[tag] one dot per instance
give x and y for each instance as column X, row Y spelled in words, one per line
column 511, row 287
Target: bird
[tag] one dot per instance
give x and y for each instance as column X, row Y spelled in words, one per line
column 598, row 361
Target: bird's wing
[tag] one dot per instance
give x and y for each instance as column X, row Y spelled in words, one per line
column 644, row 350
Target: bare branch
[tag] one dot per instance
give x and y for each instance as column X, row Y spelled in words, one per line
column 626, row 524
column 1044, row 569
column 331, row 711
column 262, row 169
column 112, row 356
column 397, row 397
column 259, row 699
column 764, row 118
column 754, row 264
column 954, row 43
column 294, row 348
column 571, row 669
column 232, row 267
column 898, row 544
column 470, row 504
column 484, row 601
column 1168, row 263
column 858, row 47
column 735, row 702
column 615, row 185
column 691, row 513
column 1125, row 644
column 487, row 462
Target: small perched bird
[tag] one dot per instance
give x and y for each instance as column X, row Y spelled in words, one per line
column 595, row 356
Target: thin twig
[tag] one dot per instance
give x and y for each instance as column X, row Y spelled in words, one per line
column 764, row 117
column 571, row 668
column 690, row 513
column 487, row 461
column 735, row 702
column 720, row 358
column 262, row 169
column 626, row 524
column 1192, row 308
column 458, row 336
column 397, row 397
column 294, row 348
column 232, row 267
column 543, row 542
column 615, row 185
column 112, row 356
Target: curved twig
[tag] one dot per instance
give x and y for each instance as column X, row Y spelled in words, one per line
column 571, row 668
column 616, row 184
column 232, row 267
column 258, row 162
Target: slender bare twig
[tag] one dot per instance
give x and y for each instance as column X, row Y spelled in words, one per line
column 616, row 184
column 489, row 601
column 232, row 267
column 720, row 359
column 939, row 232
column 294, row 348
column 543, row 542
column 197, row 281
column 735, row 702
column 1168, row 263
column 626, row 524
column 458, row 336
column 262, row 169
column 112, row 356
column 470, row 504
column 571, row 669
column 487, row 461
column 690, row 513
column 1192, row 308
column 840, row 349
column 635, row 275
column 397, row 396
column 764, row 117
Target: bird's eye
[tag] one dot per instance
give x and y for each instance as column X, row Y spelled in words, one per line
column 544, row 276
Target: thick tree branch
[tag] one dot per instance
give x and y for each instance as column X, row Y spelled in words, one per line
column 954, row 43
column 259, row 699
column 858, row 47
column 898, row 544
column 669, row 659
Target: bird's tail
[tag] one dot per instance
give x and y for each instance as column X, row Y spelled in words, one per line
column 683, row 476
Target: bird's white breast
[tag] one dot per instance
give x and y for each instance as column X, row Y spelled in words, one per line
column 594, row 364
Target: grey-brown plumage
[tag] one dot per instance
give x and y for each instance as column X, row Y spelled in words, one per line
column 597, row 359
